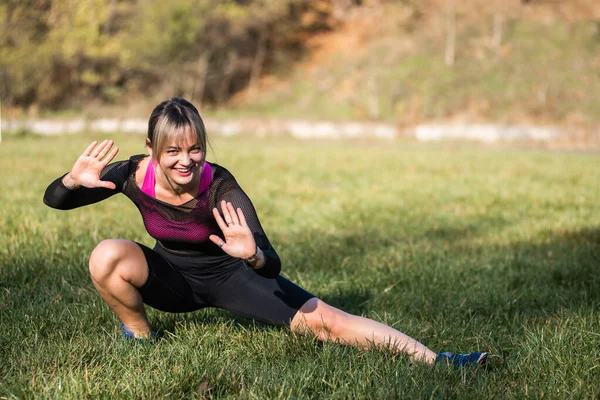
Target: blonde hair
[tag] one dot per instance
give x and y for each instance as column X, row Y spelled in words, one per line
column 169, row 122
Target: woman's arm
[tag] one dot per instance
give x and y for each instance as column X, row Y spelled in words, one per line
column 90, row 180
column 262, row 257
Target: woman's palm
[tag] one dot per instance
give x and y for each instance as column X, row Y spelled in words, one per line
column 239, row 241
column 86, row 170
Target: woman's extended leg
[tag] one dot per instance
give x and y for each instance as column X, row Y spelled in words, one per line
column 118, row 268
column 329, row 323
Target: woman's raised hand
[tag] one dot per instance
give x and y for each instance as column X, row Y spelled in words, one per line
column 86, row 170
column 238, row 241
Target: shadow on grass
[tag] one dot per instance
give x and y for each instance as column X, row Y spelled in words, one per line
column 558, row 273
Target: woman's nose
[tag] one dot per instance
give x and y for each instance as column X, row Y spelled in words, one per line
column 185, row 158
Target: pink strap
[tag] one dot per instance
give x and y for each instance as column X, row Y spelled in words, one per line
column 206, row 177
column 150, row 178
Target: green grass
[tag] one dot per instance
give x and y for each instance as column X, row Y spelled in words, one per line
column 462, row 248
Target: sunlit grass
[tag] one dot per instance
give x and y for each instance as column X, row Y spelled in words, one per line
column 464, row 249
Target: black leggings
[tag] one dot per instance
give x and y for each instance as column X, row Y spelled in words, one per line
column 182, row 283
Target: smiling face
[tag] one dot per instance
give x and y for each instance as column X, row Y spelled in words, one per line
column 180, row 163
column 177, row 142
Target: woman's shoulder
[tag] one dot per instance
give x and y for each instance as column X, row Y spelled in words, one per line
column 123, row 168
column 137, row 167
column 220, row 172
column 223, row 181
column 136, row 158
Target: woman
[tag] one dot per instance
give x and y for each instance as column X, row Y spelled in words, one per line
column 210, row 251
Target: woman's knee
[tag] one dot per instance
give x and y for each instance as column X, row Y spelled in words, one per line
column 108, row 255
column 320, row 318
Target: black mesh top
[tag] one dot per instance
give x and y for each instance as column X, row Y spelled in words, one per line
column 183, row 229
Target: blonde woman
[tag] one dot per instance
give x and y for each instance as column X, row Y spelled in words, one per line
column 210, row 251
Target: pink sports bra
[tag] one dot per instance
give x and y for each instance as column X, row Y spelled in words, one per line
column 150, row 178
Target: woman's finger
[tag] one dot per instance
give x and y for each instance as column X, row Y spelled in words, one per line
column 219, row 220
column 234, row 217
column 217, row 240
column 107, row 184
column 111, row 155
column 226, row 214
column 99, row 148
column 90, row 148
column 105, row 149
column 242, row 218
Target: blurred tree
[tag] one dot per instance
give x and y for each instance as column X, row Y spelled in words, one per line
column 56, row 53
column 21, row 62
column 210, row 49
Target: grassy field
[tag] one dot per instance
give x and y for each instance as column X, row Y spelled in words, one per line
column 463, row 248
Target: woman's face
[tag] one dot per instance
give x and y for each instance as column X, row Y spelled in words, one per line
column 181, row 161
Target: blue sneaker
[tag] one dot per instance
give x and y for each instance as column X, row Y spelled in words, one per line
column 127, row 334
column 462, row 360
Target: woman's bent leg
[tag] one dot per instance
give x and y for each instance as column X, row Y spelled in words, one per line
column 329, row 323
column 118, row 268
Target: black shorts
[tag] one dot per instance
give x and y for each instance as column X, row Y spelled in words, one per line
column 183, row 283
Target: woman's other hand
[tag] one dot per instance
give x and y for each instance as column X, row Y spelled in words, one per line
column 238, row 241
column 86, row 170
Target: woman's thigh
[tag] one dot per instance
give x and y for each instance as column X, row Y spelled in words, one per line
column 270, row 300
column 166, row 289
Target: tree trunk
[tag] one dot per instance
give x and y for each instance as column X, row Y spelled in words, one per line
column 257, row 63
column 111, row 13
column 497, row 36
column 226, row 80
column 200, row 79
column 373, row 96
column 451, row 33
column 0, row 117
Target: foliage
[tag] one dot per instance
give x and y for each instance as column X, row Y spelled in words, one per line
column 512, row 61
column 389, row 65
column 56, row 49
column 57, row 53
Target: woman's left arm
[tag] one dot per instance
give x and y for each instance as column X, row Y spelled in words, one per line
column 244, row 235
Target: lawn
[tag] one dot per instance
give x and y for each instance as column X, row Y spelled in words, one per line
column 464, row 248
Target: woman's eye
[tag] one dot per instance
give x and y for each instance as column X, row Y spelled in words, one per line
column 196, row 150
column 171, row 151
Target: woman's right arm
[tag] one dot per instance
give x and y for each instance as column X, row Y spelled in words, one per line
column 90, row 180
